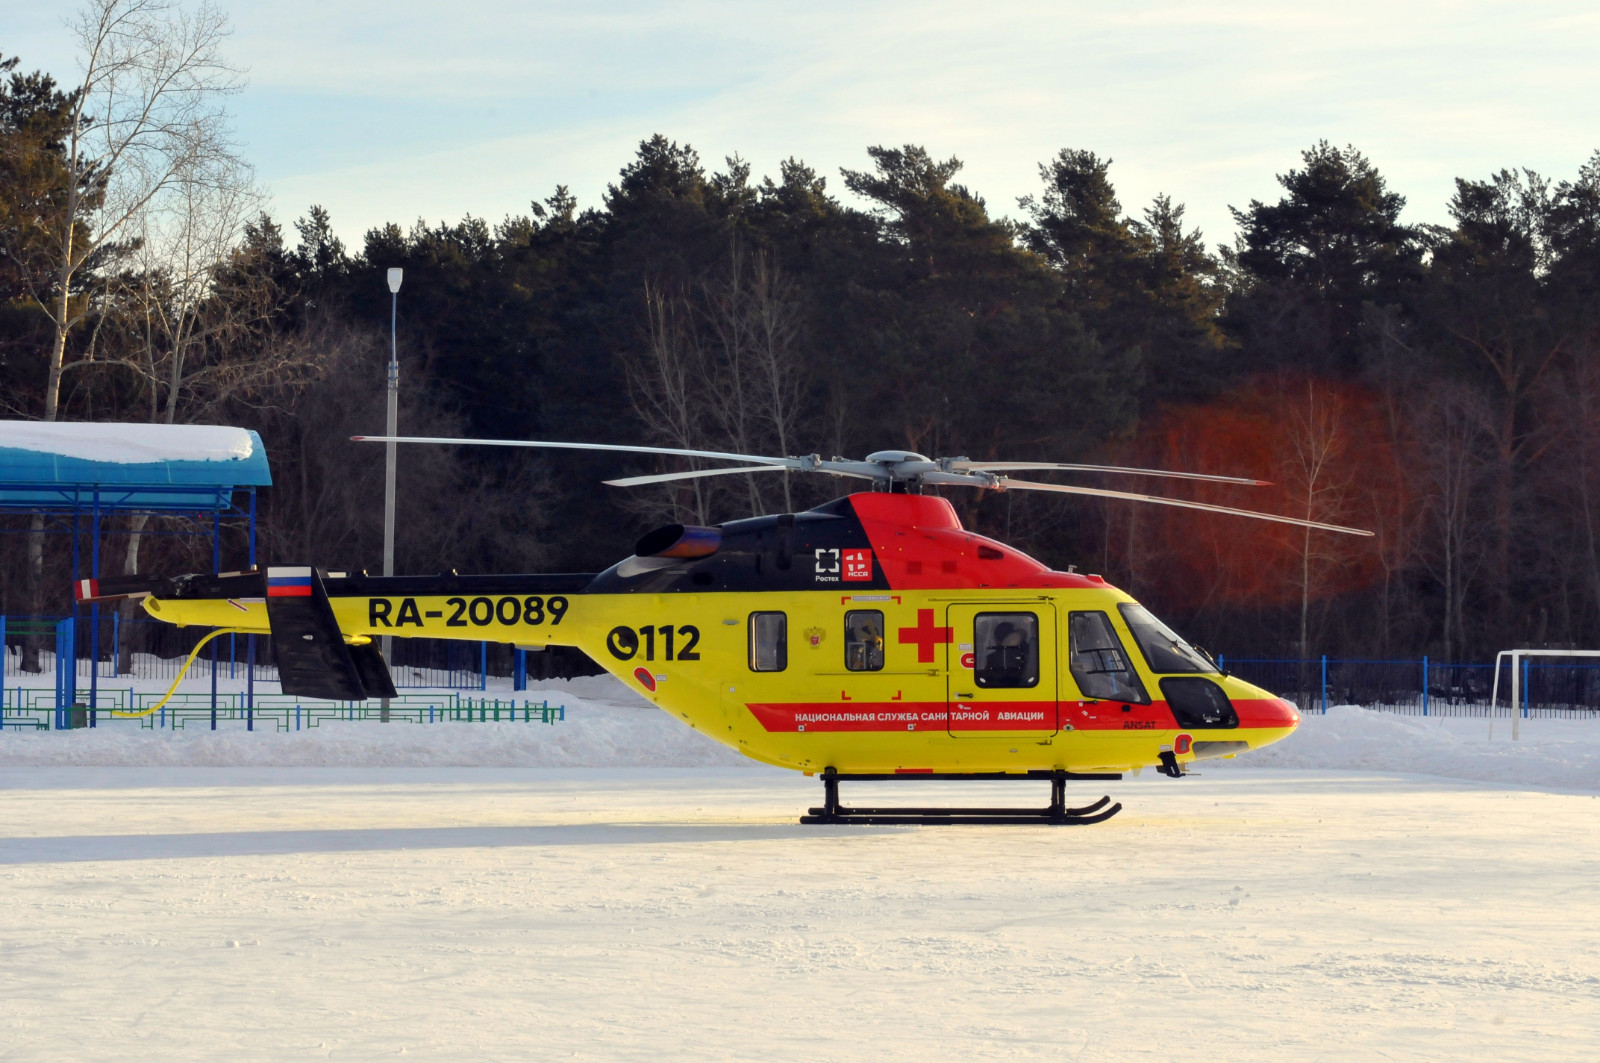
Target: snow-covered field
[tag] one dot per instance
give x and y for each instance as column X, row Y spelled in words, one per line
column 614, row 887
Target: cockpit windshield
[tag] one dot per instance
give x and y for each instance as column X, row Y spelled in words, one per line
column 1165, row 652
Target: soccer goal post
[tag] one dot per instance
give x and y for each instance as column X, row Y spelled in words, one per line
column 1517, row 657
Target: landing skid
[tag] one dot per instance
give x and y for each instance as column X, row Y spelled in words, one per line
column 1055, row 814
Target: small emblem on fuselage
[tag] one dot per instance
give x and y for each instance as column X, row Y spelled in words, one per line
column 834, row 564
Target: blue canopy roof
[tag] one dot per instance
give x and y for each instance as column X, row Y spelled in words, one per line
column 120, row 467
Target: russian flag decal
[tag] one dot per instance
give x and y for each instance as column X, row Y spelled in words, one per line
column 289, row 582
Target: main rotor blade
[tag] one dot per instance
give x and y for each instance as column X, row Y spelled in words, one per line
column 1098, row 492
column 1002, row 466
column 783, row 463
column 667, row 477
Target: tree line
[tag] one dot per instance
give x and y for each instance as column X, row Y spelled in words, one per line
column 1433, row 383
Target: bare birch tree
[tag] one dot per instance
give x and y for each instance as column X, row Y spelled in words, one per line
column 727, row 323
column 723, row 372
column 1318, row 485
column 777, row 372
column 149, row 123
column 1458, row 452
column 670, row 390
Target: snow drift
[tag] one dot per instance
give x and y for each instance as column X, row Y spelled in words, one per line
column 608, row 726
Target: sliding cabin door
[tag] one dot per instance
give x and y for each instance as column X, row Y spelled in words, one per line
column 1001, row 670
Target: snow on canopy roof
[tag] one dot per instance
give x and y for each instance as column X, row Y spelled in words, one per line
column 130, row 444
column 126, row 466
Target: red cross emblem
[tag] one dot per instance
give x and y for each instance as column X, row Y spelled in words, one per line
column 925, row 635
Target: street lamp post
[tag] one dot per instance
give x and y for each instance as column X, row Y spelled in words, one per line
column 393, row 424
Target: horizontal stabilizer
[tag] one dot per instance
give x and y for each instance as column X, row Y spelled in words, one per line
column 237, row 585
column 112, row 588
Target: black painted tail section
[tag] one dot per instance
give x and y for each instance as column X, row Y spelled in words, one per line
column 313, row 659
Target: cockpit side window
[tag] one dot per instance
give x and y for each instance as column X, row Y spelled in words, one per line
column 1099, row 664
column 1163, row 650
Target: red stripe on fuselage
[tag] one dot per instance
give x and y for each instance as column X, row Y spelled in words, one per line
column 851, row 716
column 813, row 716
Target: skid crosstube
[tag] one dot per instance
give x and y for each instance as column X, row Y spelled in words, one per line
column 1055, row 814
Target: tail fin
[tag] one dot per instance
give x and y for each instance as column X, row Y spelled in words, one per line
column 314, row 660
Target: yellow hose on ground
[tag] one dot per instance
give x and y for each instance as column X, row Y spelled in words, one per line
column 152, row 710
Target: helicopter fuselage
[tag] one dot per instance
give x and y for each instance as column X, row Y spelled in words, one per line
column 870, row 635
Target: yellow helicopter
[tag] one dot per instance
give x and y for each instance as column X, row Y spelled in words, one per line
column 870, row 638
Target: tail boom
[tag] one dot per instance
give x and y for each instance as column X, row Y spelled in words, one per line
column 323, row 623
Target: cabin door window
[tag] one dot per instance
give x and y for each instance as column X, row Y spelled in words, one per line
column 1005, row 650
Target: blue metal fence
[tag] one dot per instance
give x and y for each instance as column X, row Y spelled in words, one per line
column 1422, row 687
column 279, row 712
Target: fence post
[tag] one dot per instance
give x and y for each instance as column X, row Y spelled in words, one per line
column 483, row 666
column 66, row 677
column 519, row 667
column 1324, row 684
column 213, row 684
column 5, row 659
column 1424, row 684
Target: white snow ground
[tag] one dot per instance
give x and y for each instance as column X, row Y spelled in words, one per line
column 616, row 887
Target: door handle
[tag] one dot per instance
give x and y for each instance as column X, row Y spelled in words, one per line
column 959, row 695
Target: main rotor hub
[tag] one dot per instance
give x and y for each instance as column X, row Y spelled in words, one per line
column 897, row 457
column 896, row 469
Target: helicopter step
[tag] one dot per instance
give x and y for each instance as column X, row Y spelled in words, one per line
column 1055, row 814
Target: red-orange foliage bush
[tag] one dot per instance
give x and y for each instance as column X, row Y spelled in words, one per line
column 1326, row 447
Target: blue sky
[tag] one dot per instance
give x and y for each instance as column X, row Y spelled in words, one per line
column 399, row 110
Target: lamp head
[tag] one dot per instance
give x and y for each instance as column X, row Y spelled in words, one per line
column 394, row 279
